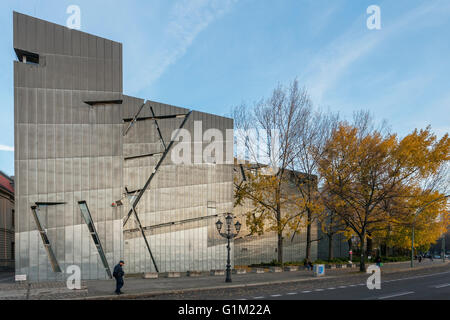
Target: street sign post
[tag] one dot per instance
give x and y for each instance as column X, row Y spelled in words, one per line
column 21, row 277
column 319, row 270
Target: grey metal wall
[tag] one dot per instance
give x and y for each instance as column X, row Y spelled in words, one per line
column 340, row 246
column 176, row 194
column 68, row 151
column 255, row 249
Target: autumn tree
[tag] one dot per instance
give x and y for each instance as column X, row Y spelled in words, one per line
column 267, row 134
column 312, row 135
column 331, row 222
column 363, row 167
column 429, row 225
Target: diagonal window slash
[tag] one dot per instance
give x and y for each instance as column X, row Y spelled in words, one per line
column 134, row 202
column 90, row 223
column 44, row 237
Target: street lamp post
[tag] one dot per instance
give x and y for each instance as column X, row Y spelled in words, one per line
column 443, row 248
column 419, row 210
column 228, row 235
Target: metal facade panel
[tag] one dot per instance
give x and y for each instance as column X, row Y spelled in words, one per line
column 67, row 36
column 76, row 43
column 31, row 34
column 59, row 40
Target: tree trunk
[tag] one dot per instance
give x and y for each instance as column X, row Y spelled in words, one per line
column 350, row 248
column 308, row 235
column 330, row 248
column 369, row 247
column 383, row 250
column 362, row 263
column 280, row 248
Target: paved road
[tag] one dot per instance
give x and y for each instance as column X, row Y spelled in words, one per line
column 432, row 286
column 421, row 284
column 428, row 280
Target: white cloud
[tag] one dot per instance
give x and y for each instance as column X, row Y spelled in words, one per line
column 327, row 68
column 187, row 19
column 6, row 148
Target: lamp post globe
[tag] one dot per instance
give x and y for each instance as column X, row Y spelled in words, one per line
column 219, row 225
column 229, row 219
column 237, row 225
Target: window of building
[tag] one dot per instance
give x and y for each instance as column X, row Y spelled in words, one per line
column 27, row 57
column 86, row 214
column 211, row 205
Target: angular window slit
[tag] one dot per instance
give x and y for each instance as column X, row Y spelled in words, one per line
column 103, row 102
column 132, row 192
column 46, row 242
column 133, row 120
column 27, row 57
column 167, row 224
column 171, row 116
column 48, row 204
column 86, row 214
column 158, row 129
column 211, row 205
column 143, row 155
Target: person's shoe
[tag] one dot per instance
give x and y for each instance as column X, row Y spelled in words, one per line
column 121, row 292
column 116, row 292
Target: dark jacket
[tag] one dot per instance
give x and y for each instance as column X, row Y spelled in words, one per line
column 118, row 271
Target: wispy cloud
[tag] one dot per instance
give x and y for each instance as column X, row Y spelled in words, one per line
column 327, row 68
column 188, row 18
column 6, row 148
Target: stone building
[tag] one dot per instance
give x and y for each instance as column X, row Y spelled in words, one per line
column 6, row 222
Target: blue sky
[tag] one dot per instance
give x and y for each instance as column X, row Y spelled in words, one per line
column 213, row 54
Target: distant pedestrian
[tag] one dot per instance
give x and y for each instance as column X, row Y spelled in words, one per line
column 378, row 261
column 420, row 258
column 118, row 275
column 308, row 264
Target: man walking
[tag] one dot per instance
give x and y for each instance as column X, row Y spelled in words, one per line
column 118, row 274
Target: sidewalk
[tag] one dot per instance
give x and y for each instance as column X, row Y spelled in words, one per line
column 137, row 287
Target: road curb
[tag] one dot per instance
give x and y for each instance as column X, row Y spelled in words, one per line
column 416, row 268
column 234, row 286
column 178, row 291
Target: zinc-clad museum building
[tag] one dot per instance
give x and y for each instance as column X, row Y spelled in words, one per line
column 94, row 177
